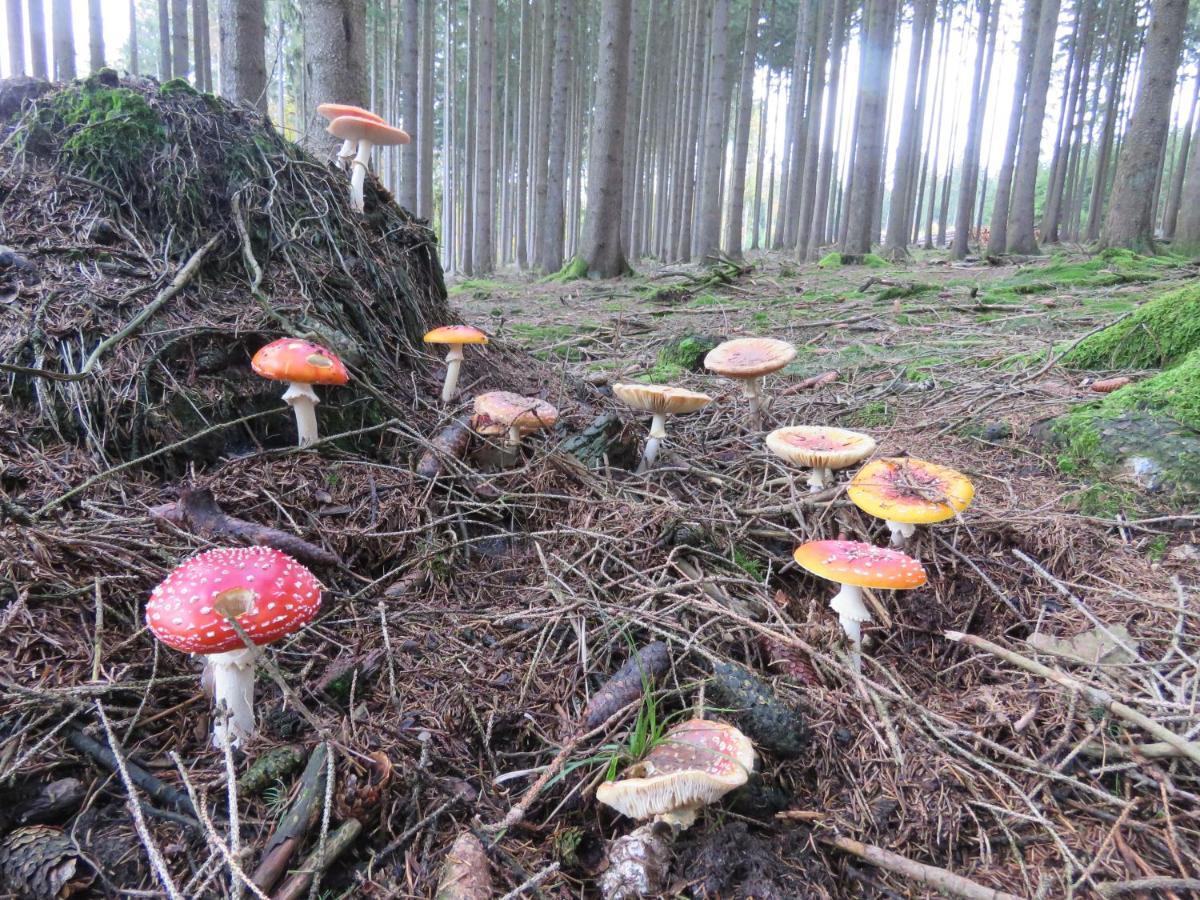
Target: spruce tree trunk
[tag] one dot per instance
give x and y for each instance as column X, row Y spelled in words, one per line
column 896, row 242
column 335, row 52
column 64, row 41
column 1112, row 110
column 812, row 136
column 1187, row 228
column 553, row 212
column 134, row 62
column 741, row 139
column 869, row 137
column 483, row 238
column 759, row 163
column 969, row 174
column 818, row 227
column 1021, row 238
column 601, row 247
column 37, row 40
column 524, row 119
column 16, row 38
column 1171, row 213
column 1080, row 60
column 425, row 126
column 708, row 242
column 179, row 38
column 95, row 36
column 410, row 24
column 243, row 65
column 202, row 50
column 1030, row 17
column 1130, row 223
column 689, row 176
column 164, row 40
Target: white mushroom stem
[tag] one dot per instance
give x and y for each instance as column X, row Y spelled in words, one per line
column 819, row 479
column 231, row 677
column 901, row 532
column 345, row 154
column 359, row 176
column 658, row 431
column 454, row 360
column 303, row 401
column 852, row 612
column 752, row 388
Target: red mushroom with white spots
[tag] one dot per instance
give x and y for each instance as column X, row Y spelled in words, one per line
column 266, row 592
column 854, row 566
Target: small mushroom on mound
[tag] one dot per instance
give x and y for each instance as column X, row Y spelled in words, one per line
column 454, row 337
column 855, row 565
column 747, row 360
column 908, row 492
column 301, row 364
column 504, row 411
column 821, row 449
column 368, row 134
column 333, row 111
column 266, row 592
column 661, row 401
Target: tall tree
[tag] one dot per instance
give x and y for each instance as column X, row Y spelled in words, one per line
column 425, row 89
column 1174, row 195
column 553, row 213
column 64, row 41
column 335, row 51
column 16, row 38
column 243, row 63
column 998, row 241
column 37, row 39
column 484, row 209
column 410, row 19
column 203, row 52
column 1187, row 229
column 969, row 174
column 95, row 36
column 164, row 40
column 1021, row 237
column 134, row 63
column 812, row 137
column 876, row 56
column 601, row 248
column 708, row 238
column 1129, row 222
column 741, row 137
column 818, row 229
column 179, row 38
column 896, row 241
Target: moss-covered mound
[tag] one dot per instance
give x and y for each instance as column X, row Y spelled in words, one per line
column 1106, row 269
column 1160, row 334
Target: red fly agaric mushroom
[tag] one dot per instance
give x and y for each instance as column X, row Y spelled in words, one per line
column 854, row 566
column 301, row 364
column 660, row 401
column 821, row 449
column 266, row 592
column 747, row 360
column 455, row 337
column 368, row 133
column 517, row 414
column 333, row 111
column 907, row 492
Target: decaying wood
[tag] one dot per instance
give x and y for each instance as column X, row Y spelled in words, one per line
column 627, row 683
column 40, row 803
column 289, row 834
column 814, row 381
column 197, row 511
column 277, row 763
column 157, row 789
column 940, row 879
column 465, row 873
column 452, row 442
column 337, row 842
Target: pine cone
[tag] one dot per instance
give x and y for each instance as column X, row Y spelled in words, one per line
column 42, row 862
column 765, row 719
column 627, row 683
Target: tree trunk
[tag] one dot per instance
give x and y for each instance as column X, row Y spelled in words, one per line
column 1021, row 238
column 817, row 229
column 553, row 213
column 969, row 174
column 179, row 38
column 484, row 177
column 425, row 120
column 1171, row 213
column 812, row 136
column 201, row 32
column 998, row 242
column 1187, row 229
column 1129, row 223
column 134, row 63
column 708, row 238
column 64, row 41
column 689, row 176
column 1080, row 60
column 524, row 119
column 95, row 36
column 868, row 158
column 896, row 242
column 243, row 64
column 741, row 138
column 164, row 40
column 37, row 39
column 1112, row 109
column 16, row 38
column 410, row 19
column 601, row 246
column 335, row 50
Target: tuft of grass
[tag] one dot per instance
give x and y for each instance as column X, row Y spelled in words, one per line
column 876, row 414
column 477, row 286
column 748, row 564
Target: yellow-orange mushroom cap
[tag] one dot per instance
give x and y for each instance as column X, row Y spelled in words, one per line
column 292, row 359
column 456, row 334
column 859, row 564
column 909, row 492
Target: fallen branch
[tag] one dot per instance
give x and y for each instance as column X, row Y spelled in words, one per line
column 289, row 834
column 452, row 442
column 940, row 879
column 197, row 511
column 158, row 790
column 297, row 886
column 1150, row 885
column 1095, row 695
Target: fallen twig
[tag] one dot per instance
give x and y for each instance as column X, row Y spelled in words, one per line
column 319, row 860
column 158, row 790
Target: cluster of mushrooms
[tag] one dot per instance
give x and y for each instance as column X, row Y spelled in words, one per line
column 361, row 131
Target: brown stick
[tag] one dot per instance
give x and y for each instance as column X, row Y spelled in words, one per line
column 297, row 886
column 452, row 441
column 289, row 834
column 941, row 879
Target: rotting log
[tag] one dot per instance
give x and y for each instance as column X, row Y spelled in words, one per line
column 289, row 834
column 451, row 442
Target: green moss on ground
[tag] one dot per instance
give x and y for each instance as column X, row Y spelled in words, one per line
column 1162, row 333
column 830, row 260
column 1108, row 268
column 173, row 86
column 478, row 286
column 900, row 291
column 572, row 270
column 687, row 353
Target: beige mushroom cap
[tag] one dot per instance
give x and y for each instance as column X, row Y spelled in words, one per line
column 659, row 399
column 697, row 763
column 509, row 409
column 357, row 128
column 819, row 446
column 749, row 357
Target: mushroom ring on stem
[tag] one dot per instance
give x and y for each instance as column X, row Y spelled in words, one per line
column 333, row 111
column 660, row 401
column 266, row 592
column 301, row 364
column 854, row 566
column 369, row 134
column 820, row 449
column 907, row 492
column 454, row 337
column 518, row 415
column 747, row 360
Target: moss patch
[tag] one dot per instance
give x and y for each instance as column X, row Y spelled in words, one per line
column 1162, row 333
column 688, row 352
column 830, row 260
column 1111, row 267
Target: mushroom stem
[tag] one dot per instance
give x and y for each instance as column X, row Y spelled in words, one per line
column 454, row 359
column 303, row 401
column 231, row 676
column 901, row 532
column 752, row 388
column 345, row 154
column 852, row 612
column 819, row 479
column 359, row 177
column 658, row 431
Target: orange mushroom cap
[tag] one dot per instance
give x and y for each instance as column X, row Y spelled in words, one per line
column 509, row 409
column 333, row 111
column 357, row 128
column 303, row 362
column 911, row 491
column 863, row 565
column 749, row 357
column 456, row 334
